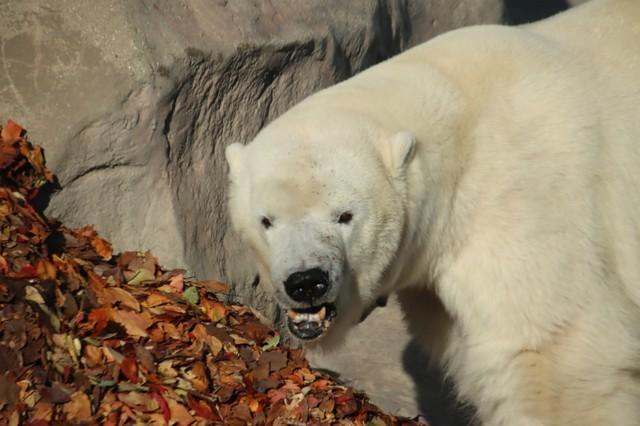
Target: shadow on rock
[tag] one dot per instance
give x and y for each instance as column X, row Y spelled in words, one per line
column 435, row 395
column 517, row 12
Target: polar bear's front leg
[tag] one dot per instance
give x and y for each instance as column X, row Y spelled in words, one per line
column 506, row 389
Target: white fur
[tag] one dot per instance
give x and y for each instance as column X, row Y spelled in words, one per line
column 493, row 174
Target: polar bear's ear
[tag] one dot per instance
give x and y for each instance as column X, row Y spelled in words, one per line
column 234, row 156
column 399, row 151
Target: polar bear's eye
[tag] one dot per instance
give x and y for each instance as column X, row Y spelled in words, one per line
column 345, row 218
column 266, row 222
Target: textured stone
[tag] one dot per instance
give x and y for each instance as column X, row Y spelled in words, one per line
column 135, row 101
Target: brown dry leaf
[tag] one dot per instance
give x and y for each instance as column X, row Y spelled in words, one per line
column 8, row 391
column 145, row 358
column 135, row 324
column 214, row 310
column 79, row 408
column 81, row 340
column 139, row 400
column 100, row 317
column 214, row 286
column 202, row 409
column 179, row 413
column 200, row 333
column 170, row 330
column 43, row 410
column 8, row 155
column 123, row 297
column 177, row 283
column 198, row 377
column 93, row 355
column 102, row 247
column 156, row 299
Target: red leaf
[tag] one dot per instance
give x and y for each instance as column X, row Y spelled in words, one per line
column 343, row 399
column 166, row 412
column 27, row 271
column 130, row 369
column 202, row 409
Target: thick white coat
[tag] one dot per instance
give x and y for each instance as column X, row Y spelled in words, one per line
column 511, row 234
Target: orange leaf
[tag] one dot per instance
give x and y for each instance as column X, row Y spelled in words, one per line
column 156, row 299
column 46, row 270
column 102, row 247
column 11, row 131
column 136, row 324
column 4, row 266
column 254, row 405
column 214, row 310
column 100, row 316
column 179, row 413
column 198, row 377
column 78, row 410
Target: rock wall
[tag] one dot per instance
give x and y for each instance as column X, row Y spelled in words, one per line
column 134, row 102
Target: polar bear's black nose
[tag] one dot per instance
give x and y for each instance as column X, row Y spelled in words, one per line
column 306, row 286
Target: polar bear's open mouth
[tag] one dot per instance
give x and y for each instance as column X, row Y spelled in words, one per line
column 309, row 323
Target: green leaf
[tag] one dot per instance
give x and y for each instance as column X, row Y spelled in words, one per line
column 92, row 341
column 271, row 342
column 141, row 276
column 106, row 383
column 191, row 295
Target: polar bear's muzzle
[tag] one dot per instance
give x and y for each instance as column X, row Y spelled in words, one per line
column 308, row 287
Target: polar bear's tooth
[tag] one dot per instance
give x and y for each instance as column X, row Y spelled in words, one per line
column 322, row 313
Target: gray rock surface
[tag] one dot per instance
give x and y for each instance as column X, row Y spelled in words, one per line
column 135, row 101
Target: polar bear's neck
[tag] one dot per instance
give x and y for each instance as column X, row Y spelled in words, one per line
column 438, row 115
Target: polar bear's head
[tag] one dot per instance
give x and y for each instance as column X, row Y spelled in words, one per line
column 322, row 203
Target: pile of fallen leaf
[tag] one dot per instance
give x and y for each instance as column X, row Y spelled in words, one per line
column 87, row 336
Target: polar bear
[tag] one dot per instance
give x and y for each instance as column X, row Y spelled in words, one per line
column 491, row 178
